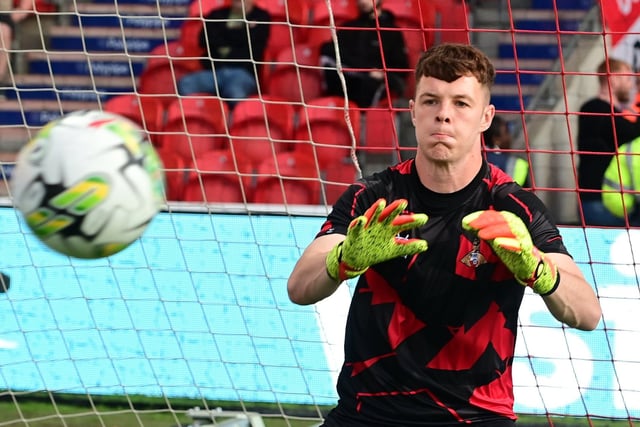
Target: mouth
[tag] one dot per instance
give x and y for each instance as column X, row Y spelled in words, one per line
column 440, row 136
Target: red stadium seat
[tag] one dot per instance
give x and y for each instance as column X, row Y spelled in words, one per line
column 143, row 110
column 177, row 53
column 417, row 20
column 176, row 174
column 260, row 128
column 453, row 20
column 195, row 124
column 323, row 133
column 290, row 178
column 289, row 21
column 160, row 77
column 380, row 131
column 320, row 22
column 296, row 76
column 336, row 180
column 213, row 178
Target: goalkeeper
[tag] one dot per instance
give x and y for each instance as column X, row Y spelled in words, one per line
column 443, row 247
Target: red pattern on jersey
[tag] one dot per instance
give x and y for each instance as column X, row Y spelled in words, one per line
column 403, row 321
column 496, row 396
column 403, row 168
column 466, row 346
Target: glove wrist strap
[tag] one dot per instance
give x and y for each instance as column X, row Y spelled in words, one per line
column 545, row 277
column 555, row 286
column 339, row 270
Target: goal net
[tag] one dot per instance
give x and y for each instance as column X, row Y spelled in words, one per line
column 192, row 323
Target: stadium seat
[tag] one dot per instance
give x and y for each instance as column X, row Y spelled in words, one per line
column 288, row 177
column 417, row 19
column 289, row 21
column 260, row 127
column 453, row 20
column 213, row 178
column 336, row 179
column 295, row 76
column 175, row 172
column 320, row 20
column 323, row 133
column 195, row 124
column 160, row 76
column 143, row 110
column 177, row 53
column 380, row 131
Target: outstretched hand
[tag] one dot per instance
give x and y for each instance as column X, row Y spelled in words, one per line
column 373, row 238
column 510, row 239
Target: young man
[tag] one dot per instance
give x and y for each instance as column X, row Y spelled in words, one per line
column 11, row 12
column 443, row 246
column 602, row 128
column 236, row 38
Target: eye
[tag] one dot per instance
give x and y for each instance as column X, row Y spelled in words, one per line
column 461, row 104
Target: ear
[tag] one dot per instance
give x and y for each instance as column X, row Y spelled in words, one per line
column 412, row 106
column 487, row 117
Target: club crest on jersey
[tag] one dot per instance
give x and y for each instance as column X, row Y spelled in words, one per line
column 474, row 258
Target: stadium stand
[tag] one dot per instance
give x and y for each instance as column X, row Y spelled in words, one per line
column 195, row 124
column 323, row 133
column 144, row 110
column 90, row 65
column 289, row 24
column 261, row 128
column 320, row 19
column 295, row 74
column 290, row 178
column 336, row 179
column 213, row 178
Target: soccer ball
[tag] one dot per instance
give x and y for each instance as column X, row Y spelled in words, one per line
column 88, row 184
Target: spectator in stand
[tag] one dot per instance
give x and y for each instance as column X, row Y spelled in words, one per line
column 11, row 12
column 602, row 128
column 622, row 182
column 365, row 46
column 497, row 138
column 235, row 37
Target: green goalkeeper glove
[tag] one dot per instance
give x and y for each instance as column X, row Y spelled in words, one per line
column 372, row 239
column 511, row 241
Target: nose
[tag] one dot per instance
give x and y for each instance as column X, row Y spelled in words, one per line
column 442, row 115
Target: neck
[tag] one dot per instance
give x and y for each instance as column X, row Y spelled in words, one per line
column 611, row 98
column 448, row 177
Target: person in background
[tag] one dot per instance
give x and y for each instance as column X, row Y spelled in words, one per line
column 602, row 128
column 11, row 13
column 497, row 138
column 367, row 51
column 442, row 246
column 621, row 184
column 235, row 38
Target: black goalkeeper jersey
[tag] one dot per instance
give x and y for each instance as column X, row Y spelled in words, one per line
column 430, row 338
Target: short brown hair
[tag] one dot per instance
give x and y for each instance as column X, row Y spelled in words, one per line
column 450, row 61
column 608, row 66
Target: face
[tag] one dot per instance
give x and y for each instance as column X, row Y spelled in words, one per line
column 503, row 139
column 366, row 6
column 237, row 4
column 450, row 117
column 622, row 85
